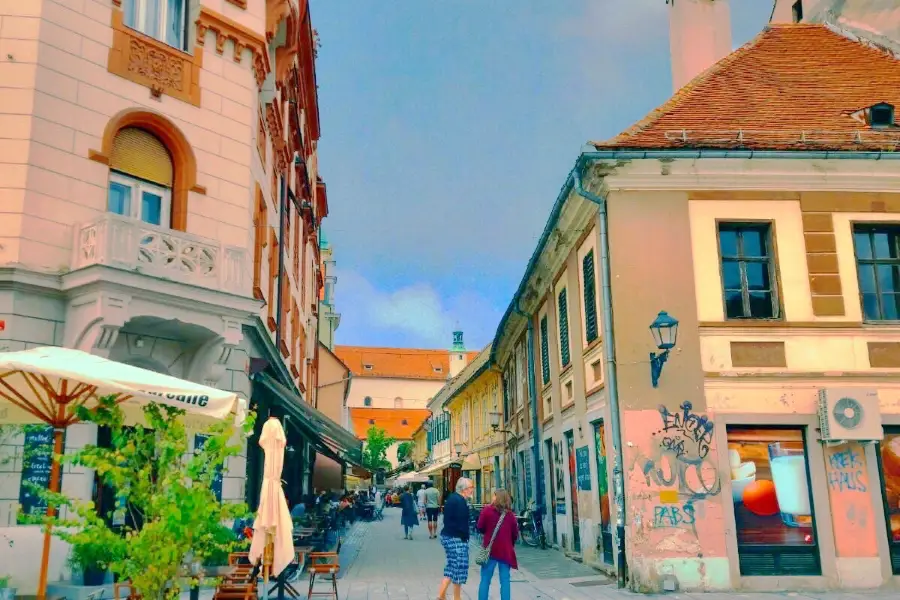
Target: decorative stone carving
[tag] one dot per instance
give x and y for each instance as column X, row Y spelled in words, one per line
column 154, row 64
column 241, row 37
column 93, row 321
column 133, row 245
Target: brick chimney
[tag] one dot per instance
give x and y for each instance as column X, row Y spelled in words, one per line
column 699, row 37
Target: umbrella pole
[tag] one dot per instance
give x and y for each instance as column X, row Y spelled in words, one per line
column 51, row 511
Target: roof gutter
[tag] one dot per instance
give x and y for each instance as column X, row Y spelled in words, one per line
column 484, row 367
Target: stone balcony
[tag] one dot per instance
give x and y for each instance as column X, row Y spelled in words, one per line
column 124, row 243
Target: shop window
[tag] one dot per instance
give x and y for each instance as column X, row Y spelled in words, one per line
column 163, row 20
column 890, row 482
column 141, row 176
column 748, row 271
column 773, row 509
column 878, row 266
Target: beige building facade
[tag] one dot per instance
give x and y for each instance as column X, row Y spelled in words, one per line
column 161, row 201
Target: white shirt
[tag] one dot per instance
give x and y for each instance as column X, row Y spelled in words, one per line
column 378, row 498
column 420, row 496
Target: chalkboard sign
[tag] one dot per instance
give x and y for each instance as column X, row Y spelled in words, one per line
column 37, row 462
column 583, row 468
column 199, row 441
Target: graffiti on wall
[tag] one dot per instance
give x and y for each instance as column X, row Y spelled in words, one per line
column 680, row 459
column 674, row 516
column 846, row 471
column 685, row 434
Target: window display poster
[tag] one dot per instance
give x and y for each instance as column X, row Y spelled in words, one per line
column 890, row 464
column 602, row 474
column 770, row 487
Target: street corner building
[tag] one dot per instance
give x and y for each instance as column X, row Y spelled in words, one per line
column 701, row 366
column 162, row 208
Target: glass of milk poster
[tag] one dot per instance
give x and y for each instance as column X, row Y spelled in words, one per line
column 788, row 465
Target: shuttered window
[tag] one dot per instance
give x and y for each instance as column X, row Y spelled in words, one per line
column 545, row 351
column 141, row 154
column 563, row 305
column 590, row 297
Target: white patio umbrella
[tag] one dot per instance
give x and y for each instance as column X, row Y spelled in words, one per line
column 48, row 385
column 273, row 519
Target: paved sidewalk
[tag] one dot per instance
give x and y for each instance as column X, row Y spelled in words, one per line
column 378, row 564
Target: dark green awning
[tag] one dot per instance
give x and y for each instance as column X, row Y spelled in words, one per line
column 327, row 436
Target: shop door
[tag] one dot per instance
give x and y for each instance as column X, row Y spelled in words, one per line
column 603, row 491
column 889, row 459
column 548, row 459
column 573, row 484
column 773, row 508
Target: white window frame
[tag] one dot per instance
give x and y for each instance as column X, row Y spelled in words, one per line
column 138, row 187
column 138, row 8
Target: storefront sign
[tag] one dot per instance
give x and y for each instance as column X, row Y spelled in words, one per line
column 560, row 507
column 583, row 468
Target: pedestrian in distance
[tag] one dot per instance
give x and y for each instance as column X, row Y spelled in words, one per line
column 497, row 523
column 420, row 501
column 455, row 539
column 409, row 518
column 432, row 509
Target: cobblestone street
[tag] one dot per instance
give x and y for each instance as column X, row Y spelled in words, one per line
column 378, row 564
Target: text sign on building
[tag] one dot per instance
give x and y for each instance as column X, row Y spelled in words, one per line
column 37, row 462
column 583, row 468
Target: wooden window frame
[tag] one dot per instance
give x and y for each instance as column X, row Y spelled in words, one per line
column 767, row 231
column 870, row 229
column 565, row 334
column 260, row 224
column 589, row 284
column 273, row 277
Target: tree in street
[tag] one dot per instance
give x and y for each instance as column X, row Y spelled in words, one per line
column 375, row 449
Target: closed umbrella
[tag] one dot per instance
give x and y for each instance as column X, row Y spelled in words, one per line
column 49, row 385
column 273, row 520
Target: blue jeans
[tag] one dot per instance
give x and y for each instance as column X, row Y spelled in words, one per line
column 487, row 573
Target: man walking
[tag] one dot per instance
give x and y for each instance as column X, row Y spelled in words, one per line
column 432, row 509
column 420, row 501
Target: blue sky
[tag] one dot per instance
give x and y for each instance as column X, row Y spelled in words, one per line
column 448, row 127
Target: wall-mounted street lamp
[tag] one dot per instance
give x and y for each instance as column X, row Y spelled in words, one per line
column 459, row 447
column 665, row 332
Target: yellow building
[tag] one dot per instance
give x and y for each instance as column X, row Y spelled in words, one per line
column 420, row 446
column 477, row 445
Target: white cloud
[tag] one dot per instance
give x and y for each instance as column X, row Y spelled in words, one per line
column 412, row 315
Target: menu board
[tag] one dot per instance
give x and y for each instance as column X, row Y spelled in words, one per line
column 37, row 462
column 199, row 441
column 583, row 468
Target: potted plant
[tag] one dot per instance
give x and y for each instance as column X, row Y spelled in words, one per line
column 6, row 592
column 91, row 559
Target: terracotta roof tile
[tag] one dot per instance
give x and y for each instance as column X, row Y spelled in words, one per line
column 399, row 363
column 399, row 423
column 793, row 87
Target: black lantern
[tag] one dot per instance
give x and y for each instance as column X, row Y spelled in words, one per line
column 665, row 333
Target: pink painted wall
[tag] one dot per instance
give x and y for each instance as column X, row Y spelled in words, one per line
column 850, row 492
column 673, row 486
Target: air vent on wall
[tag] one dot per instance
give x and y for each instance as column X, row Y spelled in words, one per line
column 849, row 414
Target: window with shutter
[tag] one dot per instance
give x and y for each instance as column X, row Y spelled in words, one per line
column 590, row 298
column 545, row 351
column 564, row 353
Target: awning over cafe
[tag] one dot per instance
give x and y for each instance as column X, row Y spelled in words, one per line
column 438, row 466
column 328, row 437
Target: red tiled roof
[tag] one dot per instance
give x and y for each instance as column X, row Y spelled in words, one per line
column 399, row 423
column 399, row 363
column 793, row 87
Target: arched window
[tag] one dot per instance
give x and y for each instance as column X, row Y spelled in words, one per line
column 398, row 402
column 367, row 401
column 141, row 177
column 164, row 20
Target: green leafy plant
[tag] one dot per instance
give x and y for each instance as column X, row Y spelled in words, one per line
column 374, row 455
column 172, row 514
column 404, row 451
column 4, row 581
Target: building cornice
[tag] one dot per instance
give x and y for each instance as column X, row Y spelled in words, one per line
column 764, row 174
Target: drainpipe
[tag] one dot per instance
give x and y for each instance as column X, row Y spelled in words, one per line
column 612, row 383
column 535, row 433
column 281, row 245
